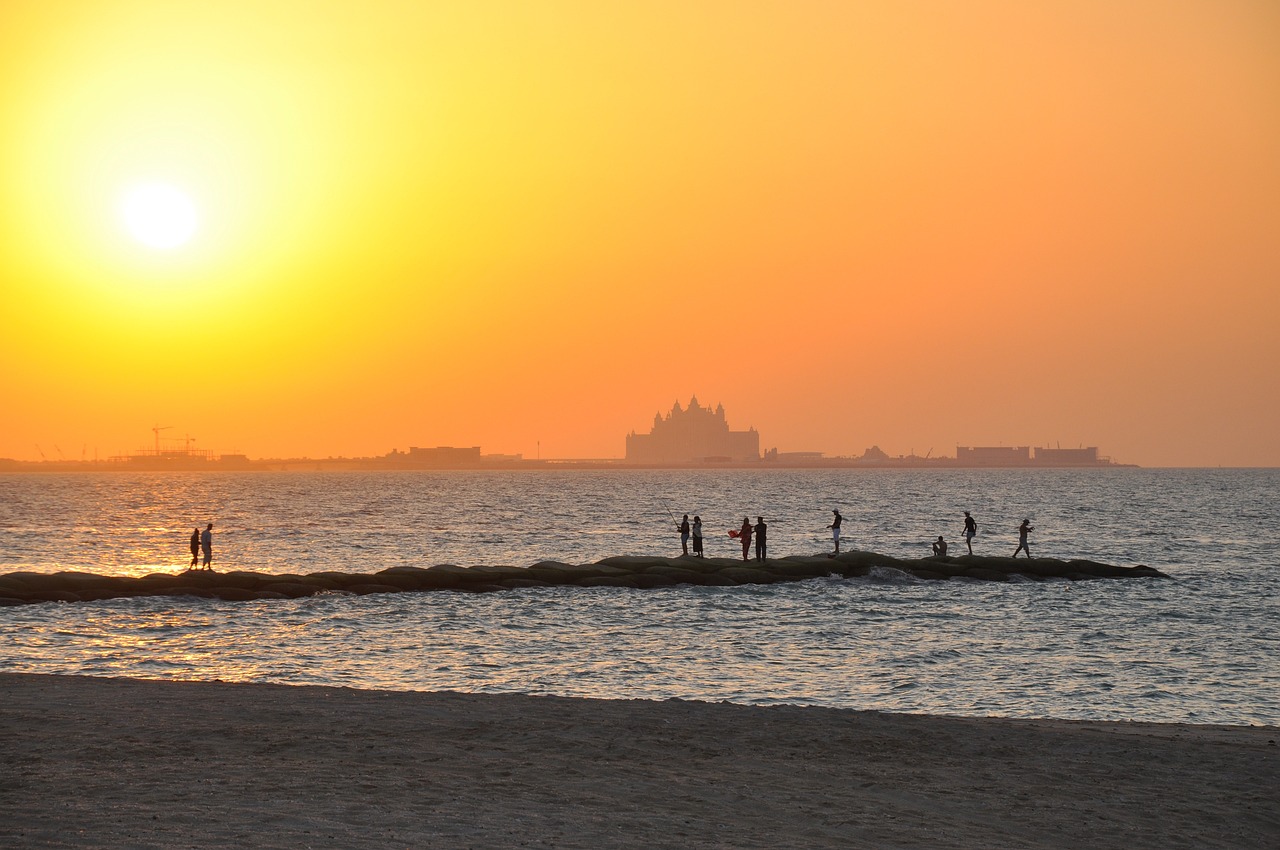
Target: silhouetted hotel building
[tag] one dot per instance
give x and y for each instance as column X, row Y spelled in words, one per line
column 694, row 435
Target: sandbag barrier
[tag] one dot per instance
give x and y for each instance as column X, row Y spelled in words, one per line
column 628, row 571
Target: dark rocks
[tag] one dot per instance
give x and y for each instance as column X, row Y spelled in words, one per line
column 548, row 574
column 198, row 592
column 608, row 581
column 717, row 580
column 651, row 580
column 233, row 594
column 985, row 575
column 802, row 567
column 292, row 590
column 677, row 575
column 749, row 575
column 521, row 583
column 629, row 571
column 242, row 579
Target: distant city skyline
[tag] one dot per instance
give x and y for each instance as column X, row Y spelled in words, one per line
column 529, row 226
column 692, row 435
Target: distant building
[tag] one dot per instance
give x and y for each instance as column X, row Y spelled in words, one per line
column 516, row 458
column 775, row 456
column 1026, row 456
column 440, row 457
column 1069, row 457
column 693, row 435
column 874, row 454
column 993, row 455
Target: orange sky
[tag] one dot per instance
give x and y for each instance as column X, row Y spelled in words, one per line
column 499, row 224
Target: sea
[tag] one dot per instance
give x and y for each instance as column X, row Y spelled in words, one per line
column 1202, row 646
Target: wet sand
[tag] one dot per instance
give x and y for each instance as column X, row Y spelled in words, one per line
column 110, row 763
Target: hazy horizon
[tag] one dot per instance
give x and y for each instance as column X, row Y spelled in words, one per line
column 294, row 230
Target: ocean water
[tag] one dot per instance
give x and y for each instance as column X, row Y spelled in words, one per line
column 1202, row 647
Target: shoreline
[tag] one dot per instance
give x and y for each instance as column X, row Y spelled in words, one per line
column 98, row 762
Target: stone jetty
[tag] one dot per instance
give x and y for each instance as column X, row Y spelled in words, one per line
column 629, row 571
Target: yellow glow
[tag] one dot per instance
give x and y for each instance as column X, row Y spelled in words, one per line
column 159, row 215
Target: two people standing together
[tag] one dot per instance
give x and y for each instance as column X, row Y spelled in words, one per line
column 761, row 532
column 202, row 542
column 687, row 531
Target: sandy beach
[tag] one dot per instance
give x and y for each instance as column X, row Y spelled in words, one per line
column 93, row 762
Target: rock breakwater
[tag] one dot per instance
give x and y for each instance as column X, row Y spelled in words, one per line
column 630, row 571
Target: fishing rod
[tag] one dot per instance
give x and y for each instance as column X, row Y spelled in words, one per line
column 674, row 521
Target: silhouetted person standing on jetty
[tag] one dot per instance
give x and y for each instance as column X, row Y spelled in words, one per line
column 206, row 543
column 1022, row 538
column 835, row 530
column 970, row 529
column 683, row 528
column 761, row 543
column 744, row 534
column 195, row 548
column 940, row 547
column 697, row 537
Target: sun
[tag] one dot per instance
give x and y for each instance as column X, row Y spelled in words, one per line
column 159, row 215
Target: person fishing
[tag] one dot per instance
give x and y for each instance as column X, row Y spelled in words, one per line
column 683, row 528
column 835, row 529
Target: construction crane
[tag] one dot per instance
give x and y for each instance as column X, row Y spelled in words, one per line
column 156, row 430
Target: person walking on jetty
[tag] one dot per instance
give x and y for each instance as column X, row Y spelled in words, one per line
column 940, row 547
column 970, row 530
column 835, row 529
column 1022, row 538
column 683, row 528
column 206, row 544
column 195, row 548
column 697, row 537
column 761, row 542
column 744, row 535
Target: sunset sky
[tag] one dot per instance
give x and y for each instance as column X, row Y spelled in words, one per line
column 911, row 224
